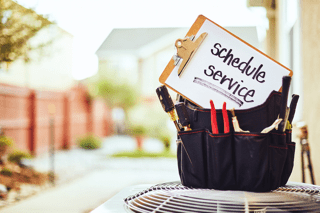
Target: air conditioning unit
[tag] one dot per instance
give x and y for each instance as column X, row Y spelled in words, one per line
column 174, row 197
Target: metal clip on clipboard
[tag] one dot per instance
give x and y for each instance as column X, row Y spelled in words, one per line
column 186, row 48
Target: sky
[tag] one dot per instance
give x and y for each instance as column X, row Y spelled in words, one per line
column 90, row 21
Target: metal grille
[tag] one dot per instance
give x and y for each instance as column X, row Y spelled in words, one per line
column 173, row 197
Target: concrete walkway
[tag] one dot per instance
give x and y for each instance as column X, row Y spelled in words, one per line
column 89, row 178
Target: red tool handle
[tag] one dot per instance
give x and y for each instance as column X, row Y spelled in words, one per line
column 214, row 124
column 225, row 118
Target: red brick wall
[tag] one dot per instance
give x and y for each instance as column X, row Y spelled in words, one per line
column 25, row 116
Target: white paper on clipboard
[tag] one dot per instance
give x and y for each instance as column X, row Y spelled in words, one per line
column 225, row 69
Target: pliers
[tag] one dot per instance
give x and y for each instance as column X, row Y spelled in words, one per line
column 214, row 124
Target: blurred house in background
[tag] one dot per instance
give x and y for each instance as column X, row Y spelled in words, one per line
column 49, row 67
column 140, row 55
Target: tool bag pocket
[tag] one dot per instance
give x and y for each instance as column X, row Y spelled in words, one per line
column 259, row 160
column 220, row 169
column 288, row 165
column 205, row 160
column 192, row 158
column 251, row 152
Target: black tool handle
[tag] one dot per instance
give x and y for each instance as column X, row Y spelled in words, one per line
column 284, row 95
column 182, row 114
column 293, row 106
column 165, row 98
column 180, row 98
column 286, row 80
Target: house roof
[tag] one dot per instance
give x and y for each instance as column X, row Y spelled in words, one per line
column 133, row 39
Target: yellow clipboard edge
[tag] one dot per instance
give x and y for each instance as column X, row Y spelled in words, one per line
column 193, row 31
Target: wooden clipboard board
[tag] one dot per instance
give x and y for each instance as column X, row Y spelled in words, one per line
column 194, row 30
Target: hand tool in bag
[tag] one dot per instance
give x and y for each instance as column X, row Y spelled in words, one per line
column 167, row 104
column 293, row 106
column 275, row 125
column 225, row 118
column 181, row 99
column 284, row 110
column 214, row 124
column 183, row 116
column 235, row 123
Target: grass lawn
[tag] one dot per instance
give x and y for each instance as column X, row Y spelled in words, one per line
column 144, row 154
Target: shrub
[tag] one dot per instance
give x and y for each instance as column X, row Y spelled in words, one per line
column 17, row 155
column 137, row 130
column 6, row 172
column 165, row 139
column 89, row 142
column 5, row 141
column 5, row 144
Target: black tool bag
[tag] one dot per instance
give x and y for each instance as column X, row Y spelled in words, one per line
column 236, row 161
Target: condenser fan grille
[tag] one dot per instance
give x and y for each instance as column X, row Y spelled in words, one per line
column 173, row 197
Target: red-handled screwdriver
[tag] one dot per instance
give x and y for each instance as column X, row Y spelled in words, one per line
column 214, row 124
column 225, row 118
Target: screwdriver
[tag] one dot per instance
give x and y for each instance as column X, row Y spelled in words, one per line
column 183, row 116
column 284, row 110
column 293, row 106
column 167, row 104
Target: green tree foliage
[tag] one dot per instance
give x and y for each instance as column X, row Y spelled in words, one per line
column 115, row 93
column 17, row 26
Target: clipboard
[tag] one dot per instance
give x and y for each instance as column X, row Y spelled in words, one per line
column 242, row 86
